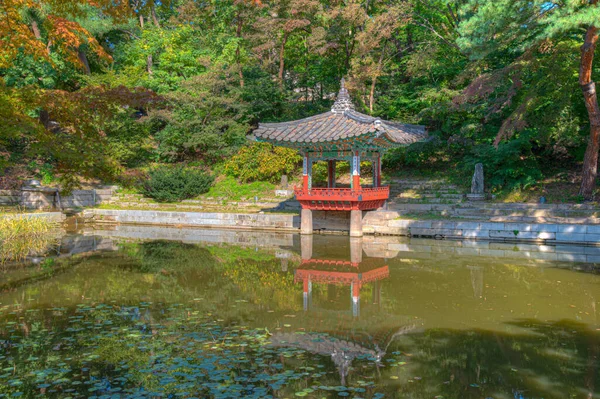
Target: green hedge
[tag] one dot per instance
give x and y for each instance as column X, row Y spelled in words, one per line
column 170, row 184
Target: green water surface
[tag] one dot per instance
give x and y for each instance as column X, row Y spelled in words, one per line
column 318, row 317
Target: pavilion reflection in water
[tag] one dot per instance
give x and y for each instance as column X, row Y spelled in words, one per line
column 355, row 273
column 344, row 334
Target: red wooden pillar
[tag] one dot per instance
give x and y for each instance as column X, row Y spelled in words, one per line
column 331, row 174
column 356, row 171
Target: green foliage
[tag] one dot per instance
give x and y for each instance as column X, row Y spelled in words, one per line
column 478, row 74
column 207, row 119
column 176, row 183
column 512, row 165
column 262, row 161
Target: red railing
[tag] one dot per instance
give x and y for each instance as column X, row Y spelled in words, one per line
column 343, row 194
column 342, row 199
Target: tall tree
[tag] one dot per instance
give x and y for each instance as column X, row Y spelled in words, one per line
column 286, row 18
column 508, row 25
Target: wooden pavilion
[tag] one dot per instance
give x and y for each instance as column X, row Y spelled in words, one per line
column 341, row 134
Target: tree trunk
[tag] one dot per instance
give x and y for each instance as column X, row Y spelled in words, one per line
column 84, row 61
column 149, row 64
column 154, row 19
column 282, row 60
column 36, row 30
column 374, row 81
column 590, row 161
column 141, row 21
column 38, row 34
column 237, row 50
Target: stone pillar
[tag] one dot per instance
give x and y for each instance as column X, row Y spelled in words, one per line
column 331, row 174
column 306, row 247
column 356, row 171
column 355, row 293
column 306, row 221
column 356, row 250
column 356, row 229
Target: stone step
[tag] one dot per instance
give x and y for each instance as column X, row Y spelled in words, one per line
column 427, row 195
column 525, row 219
column 400, row 201
column 494, row 205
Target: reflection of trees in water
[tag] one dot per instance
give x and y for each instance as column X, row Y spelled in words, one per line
column 542, row 360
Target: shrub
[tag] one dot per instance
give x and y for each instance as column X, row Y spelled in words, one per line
column 169, row 184
column 262, row 161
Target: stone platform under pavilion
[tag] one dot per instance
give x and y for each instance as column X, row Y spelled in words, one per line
column 340, row 134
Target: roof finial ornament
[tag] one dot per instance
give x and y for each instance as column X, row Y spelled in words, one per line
column 343, row 102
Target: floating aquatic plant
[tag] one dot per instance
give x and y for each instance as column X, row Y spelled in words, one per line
column 105, row 351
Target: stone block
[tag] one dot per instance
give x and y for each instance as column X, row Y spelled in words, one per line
column 570, row 237
column 592, row 238
column 546, row 235
column 399, row 223
column 514, row 235
column 476, row 233
column 434, row 232
column 524, row 227
column 572, row 228
column 491, row 226
column 592, row 229
column 443, row 225
column 468, row 225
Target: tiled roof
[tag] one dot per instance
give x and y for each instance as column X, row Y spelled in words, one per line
column 340, row 124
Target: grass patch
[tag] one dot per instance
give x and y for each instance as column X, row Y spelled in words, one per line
column 21, row 235
column 228, row 187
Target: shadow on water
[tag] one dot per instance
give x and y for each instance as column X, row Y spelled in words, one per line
column 544, row 360
column 240, row 314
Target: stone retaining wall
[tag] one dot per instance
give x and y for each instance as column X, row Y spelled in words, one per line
column 32, row 199
column 9, row 197
column 77, row 199
column 195, row 219
column 387, row 222
column 377, row 223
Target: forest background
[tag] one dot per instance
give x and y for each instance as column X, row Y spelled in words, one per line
column 108, row 90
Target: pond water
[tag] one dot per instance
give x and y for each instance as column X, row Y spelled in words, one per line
column 192, row 313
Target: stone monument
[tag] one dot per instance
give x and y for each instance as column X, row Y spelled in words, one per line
column 477, row 192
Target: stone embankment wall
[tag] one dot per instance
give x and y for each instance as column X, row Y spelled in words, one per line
column 33, row 199
column 374, row 223
column 387, row 223
column 195, row 219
